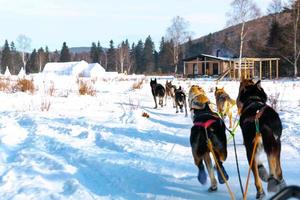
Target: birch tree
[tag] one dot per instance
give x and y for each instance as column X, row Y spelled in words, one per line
column 242, row 11
column 295, row 19
column 179, row 34
column 24, row 43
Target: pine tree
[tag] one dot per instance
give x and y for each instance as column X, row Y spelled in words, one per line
column 32, row 66
column 41, row 58
column 16, row 59
column 148, row 55
column 111, row 57
column 165, row 56
column 65, row 55
column 6, row 57
column 138, row 53
column 94, row 54
column 47, row 55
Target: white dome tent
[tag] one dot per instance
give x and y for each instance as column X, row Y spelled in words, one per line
column 21, row 73
column 66, row 68
column 7, row 72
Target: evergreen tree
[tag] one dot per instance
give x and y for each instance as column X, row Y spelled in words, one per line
column 47, row 55
column 101, row 53
column 16, row 60
column 94, row 53
column 32, row 66
column 65, row 55
column 138, row 54
column 165, row 56
column 111, row 57
column 148, row 55
column 42, row 59
column 6, row 57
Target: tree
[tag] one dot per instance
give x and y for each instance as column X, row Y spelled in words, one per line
column 16, row 59
column 165, row 56
column 295, row 21
column 24, row 43
column 65, row 55
column 138, row 56
column 94, row 53
column 148, row 55
column 178, row 33
column 6, row 57
column 111, row 57
column 32, row 66
column 275, row 7
column 123, row 55
column 241, row 12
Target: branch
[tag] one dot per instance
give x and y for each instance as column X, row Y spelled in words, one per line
column 287, row 59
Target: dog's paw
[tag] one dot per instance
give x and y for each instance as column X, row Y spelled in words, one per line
column 273, row 184
column 260, row 195
column 263, row 174
column 212, row 188
column 202, row 176
column 220, row 178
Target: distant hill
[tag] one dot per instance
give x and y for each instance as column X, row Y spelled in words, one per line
column 227, row 41
column 79, row 49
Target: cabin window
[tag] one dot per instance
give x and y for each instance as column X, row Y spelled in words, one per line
column 215, row 68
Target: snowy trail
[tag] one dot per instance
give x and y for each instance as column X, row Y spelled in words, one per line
column 102, row 148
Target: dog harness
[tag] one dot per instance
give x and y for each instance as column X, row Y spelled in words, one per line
column 205, row 124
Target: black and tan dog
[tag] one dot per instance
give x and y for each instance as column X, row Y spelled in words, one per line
column 207, row 125
column 170, row 92
column 224, row 104
column 157, row 91
column 180, row 100
column 252, row 101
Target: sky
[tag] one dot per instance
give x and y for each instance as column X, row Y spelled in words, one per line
column 81, row 22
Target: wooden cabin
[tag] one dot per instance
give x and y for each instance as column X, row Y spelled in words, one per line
column 205, row 65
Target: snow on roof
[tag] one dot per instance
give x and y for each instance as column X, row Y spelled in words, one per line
column 66, row 68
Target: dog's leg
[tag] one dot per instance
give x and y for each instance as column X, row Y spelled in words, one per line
column 202, row 176
column 230, row 118
column 166, row 99
column 176, row 108
column 260, row 192
column 209, row 167
column 155, row 101
column 185, row 106
column 275, row 181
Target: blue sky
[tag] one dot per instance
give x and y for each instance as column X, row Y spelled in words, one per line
column 80, row 22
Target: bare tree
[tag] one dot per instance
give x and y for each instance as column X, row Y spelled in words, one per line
column 241, row 12
column 123, row 56
column 179, row 34
column 295, row 18
column 24, row 43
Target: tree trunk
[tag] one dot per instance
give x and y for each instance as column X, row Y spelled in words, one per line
column 241, row 51
column 296, row 53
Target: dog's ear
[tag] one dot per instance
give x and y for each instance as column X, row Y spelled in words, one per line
column 258, row 84
column 222, row 88
column 216, row 88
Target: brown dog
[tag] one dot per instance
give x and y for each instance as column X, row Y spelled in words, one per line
column 261, row 123
column 207, row 125
column 224, row 104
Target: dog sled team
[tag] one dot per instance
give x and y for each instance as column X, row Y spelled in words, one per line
column 260, row 125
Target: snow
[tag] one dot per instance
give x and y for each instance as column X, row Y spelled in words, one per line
column 101, row 147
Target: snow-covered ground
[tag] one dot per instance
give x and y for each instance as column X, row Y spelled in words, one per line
column 101, row 147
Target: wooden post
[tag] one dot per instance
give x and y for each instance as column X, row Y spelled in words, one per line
column 230, row 70
column 260, row 69
column 184, row 70
column 198, row 65
column 204, row 65
column 270, row 69
column 276, row 69
column 234, row 70
column 253, row 68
